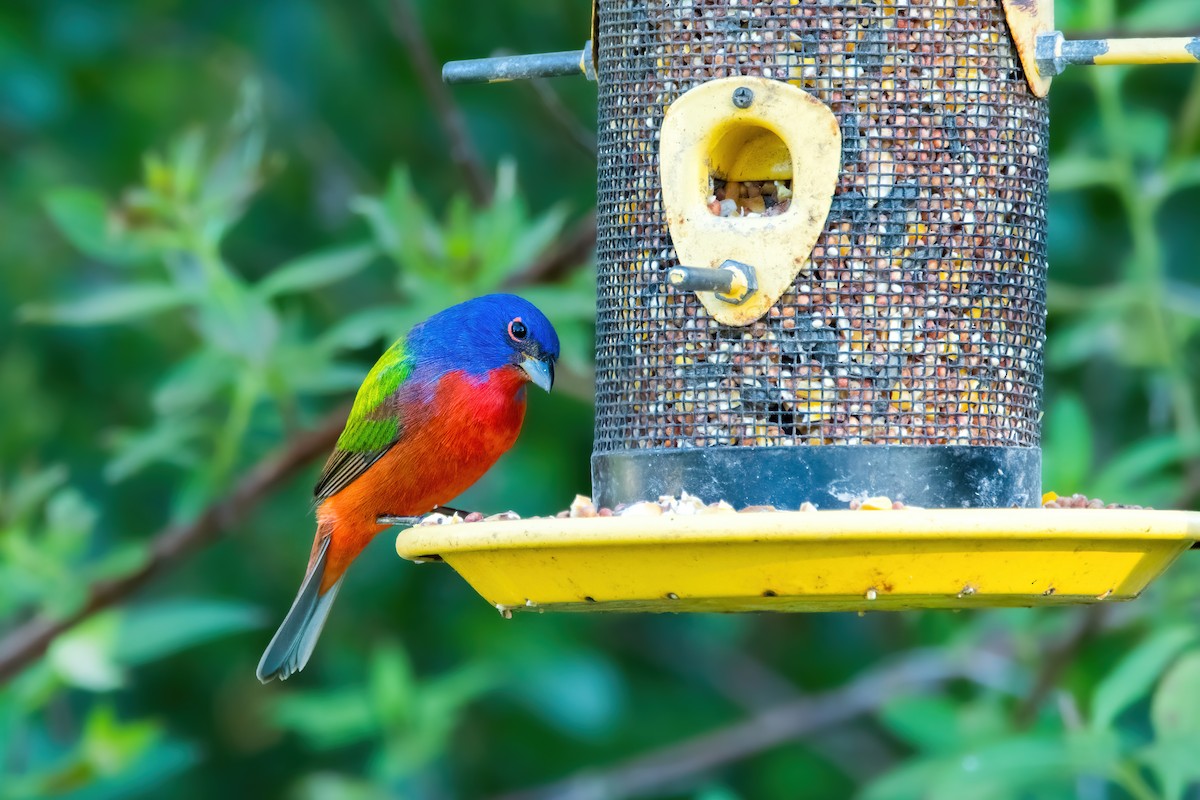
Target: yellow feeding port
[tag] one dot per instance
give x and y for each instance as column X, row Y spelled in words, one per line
column 811, row 561
column 747, row 152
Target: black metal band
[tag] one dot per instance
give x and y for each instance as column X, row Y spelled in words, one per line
column 828, row 476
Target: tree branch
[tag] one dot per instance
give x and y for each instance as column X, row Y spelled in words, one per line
column 690, row 758
column 173, row 543
column 407, row 28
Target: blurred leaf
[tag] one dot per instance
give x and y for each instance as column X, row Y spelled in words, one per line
column 29, row 492
column 929, row 723
column 1147, row 134
column 1173, row 760
column 331, row 786
column 564, row 302
column 1157, row 16
column 110, row 305
column 167, row 442
column 912, row 779
column 717, row 793
column 327, row 719
column 998, row 770
column 370, row 326
column 403, row 225
column 1067, row 445
column 239, row 322
column 154, row 631
column 316, row 270
column 1138, row 463
column 1185, row 175
column 1175, row 707
column 117, row 560
column 143, row 776
column 82, row 216
column 576, row 692
column 1135, row 674
column 391, row 686
column 1072, row 172
column 193, row 381
column 1084, row 338
column 83, row 656
column 333, row 378
column 472, row 251
column 118, row 759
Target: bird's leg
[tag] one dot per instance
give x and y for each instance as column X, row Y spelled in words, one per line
column 388, row 519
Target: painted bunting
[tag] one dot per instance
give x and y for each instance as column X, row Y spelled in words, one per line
column 433, row 414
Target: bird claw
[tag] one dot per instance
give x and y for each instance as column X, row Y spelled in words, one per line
column 412, row 522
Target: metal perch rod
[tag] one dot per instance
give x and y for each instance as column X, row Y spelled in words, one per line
column 511, row 68
column 1055, row 54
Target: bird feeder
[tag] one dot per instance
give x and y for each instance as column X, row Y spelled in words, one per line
column 821, row 277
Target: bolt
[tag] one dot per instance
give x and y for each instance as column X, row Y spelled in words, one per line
column 743, row 97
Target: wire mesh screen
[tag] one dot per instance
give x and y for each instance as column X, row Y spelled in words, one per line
column 919, row 317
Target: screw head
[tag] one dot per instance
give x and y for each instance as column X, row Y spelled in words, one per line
column 743, row 97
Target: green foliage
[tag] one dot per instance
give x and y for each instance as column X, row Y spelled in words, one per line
column 158, row 340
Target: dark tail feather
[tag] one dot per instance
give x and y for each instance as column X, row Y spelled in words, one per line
column 293, row 643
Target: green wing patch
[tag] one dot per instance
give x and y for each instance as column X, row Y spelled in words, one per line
column 372, row 428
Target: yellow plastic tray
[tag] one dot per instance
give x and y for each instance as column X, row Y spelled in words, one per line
column 811, row 561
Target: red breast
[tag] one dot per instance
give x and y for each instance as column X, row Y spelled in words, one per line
column 445, row 446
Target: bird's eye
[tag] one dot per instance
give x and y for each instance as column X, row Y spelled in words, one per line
column 517, row 329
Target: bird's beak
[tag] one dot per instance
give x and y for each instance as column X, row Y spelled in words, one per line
column 540, row 372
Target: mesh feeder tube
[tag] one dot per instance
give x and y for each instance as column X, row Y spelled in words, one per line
column 903, row 357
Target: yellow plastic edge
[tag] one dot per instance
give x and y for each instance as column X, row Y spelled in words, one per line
column 919, row 525
column 814, row 561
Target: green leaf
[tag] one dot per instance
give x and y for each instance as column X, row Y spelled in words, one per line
column 328, row 719
column 928, row 723
column 391, row 685
column 910, row 780
column 239, row 322
column 1174, row 761
column 1185, row 175
column 150, row 632
column 1147, row 133
column 169, row 441
column 1084, row 338
column 82, row 216
column 370, row 326
column 403, row 226
column 29, row 492
column 144, row 775
column 1138, row 463
column 1067, row 448
column 316, row 270
column 193, row 382
column 334, row 786
column 579, row 693
column 332, row 378
column 1133, row 677
column 83, row 656
column 1074, row 171
column 998, row 770
column 112, row 305
column 564, row 302
column 1175, row 707
column 1156, row 16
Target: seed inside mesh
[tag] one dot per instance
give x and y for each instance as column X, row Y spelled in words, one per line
column 918, row 317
